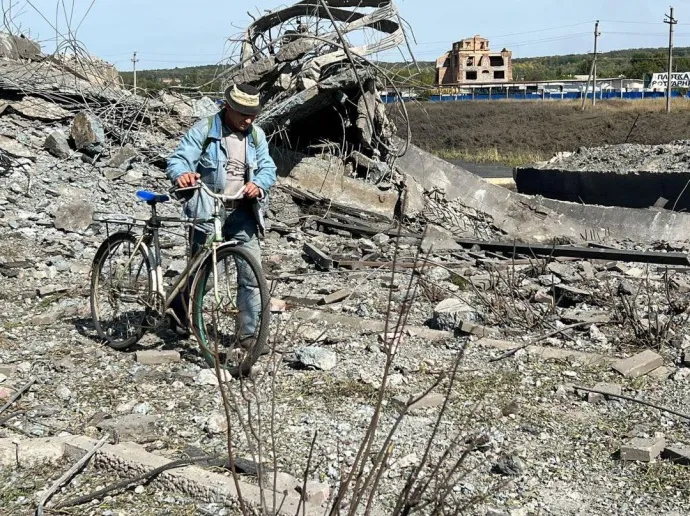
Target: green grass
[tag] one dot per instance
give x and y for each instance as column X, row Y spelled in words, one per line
column 492, row 156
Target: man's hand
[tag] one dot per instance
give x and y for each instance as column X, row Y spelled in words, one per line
column 188, row 179
column 251, row 191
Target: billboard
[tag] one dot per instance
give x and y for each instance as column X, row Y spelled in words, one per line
column 678, row 80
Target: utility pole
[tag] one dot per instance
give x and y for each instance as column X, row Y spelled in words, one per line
column 134, row 69
column 594, row 64
column 671, row 22
column 592, row 70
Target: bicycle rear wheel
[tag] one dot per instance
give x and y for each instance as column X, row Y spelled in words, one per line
column 231, row 310
column 120, row 290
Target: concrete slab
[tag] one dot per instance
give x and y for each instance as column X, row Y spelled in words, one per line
column 639, row 365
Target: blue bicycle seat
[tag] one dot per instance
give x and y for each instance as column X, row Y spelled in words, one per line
column 147, row 196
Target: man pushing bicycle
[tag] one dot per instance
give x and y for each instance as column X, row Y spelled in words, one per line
column 229, row 154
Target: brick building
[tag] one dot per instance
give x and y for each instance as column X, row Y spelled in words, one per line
column 471, row 61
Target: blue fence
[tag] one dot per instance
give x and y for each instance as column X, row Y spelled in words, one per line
column 604, row 95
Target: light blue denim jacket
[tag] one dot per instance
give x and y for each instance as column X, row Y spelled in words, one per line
column 190, row 156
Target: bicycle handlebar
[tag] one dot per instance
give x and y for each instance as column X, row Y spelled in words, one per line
column 201, row 186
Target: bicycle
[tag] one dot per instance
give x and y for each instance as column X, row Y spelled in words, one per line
column 128, row 268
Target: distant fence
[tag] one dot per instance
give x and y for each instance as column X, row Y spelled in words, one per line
column 603, row 95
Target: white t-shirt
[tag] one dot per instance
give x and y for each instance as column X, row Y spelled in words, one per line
column 235, row 143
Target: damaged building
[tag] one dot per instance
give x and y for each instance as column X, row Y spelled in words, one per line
column 472, row 61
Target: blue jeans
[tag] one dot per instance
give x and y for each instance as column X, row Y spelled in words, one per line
column 240, row 225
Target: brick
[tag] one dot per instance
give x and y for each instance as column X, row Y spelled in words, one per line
column 157, row 356
column 678, row 454
column 429, row 401
column 336, row 297
column 643, row 450
column 612, row 388
column 638, row 365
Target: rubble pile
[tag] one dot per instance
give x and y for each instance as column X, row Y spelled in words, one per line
column 533, row 332
column 626, row 158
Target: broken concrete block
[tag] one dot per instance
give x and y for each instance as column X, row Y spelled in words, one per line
column 12, row 147
column 336, row 297
column 686, row 358
column 678, row 454
column 662, row 373
column 280, row 482
column 568, row 296
column 278, row 305
column 139, row 428
column 316, row 492
column 414, row 200
column 123, row 157
column 642, row 450
column 30, row 452
column 56, row 143
column 74, row 217
column 431, row 400
column 38, row 109
column 438, row 239
column 316, row 358
column 638, row 365
column 87, row 131
column 157, row 356
column 450, row 313
column 321, row 259
column 609, row 388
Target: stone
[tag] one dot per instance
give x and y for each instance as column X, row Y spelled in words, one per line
column 56, row 143
column 686, row 358
column 13, row 148
column 63, row 393
column 336, row 297
column 642, row 450
column 513, row 408
column 627, row 288
column 204, row 107
column 610, row 388
column 131, row 427
column 280, row 482
column 316, row 357
column 662, row 373
column 208, row 377
column 576, row 315
column 678, row 454
column 431, row 400
column 380, row 239
column 278, row 305
column 437, row 238
column 564, row 271
column 450, row 313
column 123, row 157
column 141, row 408
column 216, row 423
column 87, row 131
column 638, row 365
column 568, row 296
column 73, row 217
column 437, row 274
column 38, row 109
column 139, row 489
column 6, row 393
column 157, row 356
column 316, row 493
column 597, row 335
column 543, row 296
column 509, row 465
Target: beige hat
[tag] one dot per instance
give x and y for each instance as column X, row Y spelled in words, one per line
column 243, row 98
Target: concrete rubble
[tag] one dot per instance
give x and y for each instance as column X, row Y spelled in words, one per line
column 345, row 255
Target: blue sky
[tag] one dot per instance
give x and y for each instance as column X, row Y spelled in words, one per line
column 170, row 33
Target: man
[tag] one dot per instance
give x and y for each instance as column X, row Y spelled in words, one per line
column 229, row 154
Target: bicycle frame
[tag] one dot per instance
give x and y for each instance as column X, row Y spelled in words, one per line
column 150, row 235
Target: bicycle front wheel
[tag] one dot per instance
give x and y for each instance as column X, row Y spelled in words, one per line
column 120, row 290
column 231, row 310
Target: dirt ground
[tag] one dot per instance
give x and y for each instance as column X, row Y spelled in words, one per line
column 495, row 131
